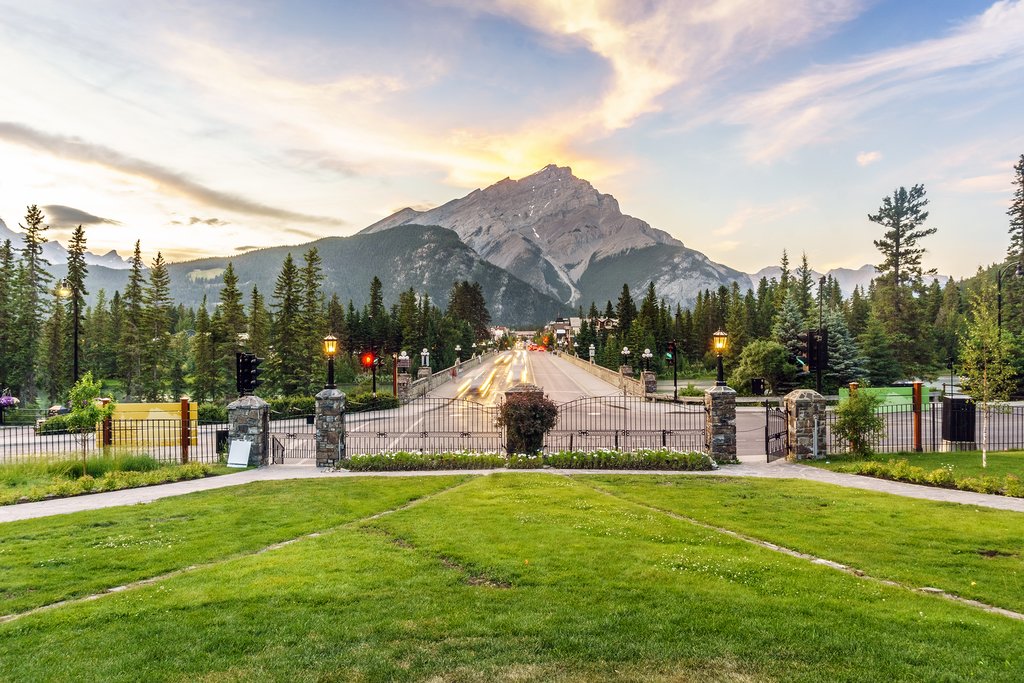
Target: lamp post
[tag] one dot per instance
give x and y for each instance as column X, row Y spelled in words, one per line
column 625, row 355
column 999, row 293
column 64, row 290
column 647, row 356
column 720, row 342
column 474, row 350
column 592, row 351
column 576, row 349
column 425, row 358
column 330, row 350
column 458, row 353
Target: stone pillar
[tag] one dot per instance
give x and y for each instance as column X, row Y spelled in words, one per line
column 650, row 381
column 249, row 420
column 402, row 383
column 626, row 370
column 330, row 427
column 424, row 371
column 720, row 425
column 805, row 414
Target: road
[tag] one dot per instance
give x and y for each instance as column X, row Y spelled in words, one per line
column 561, row 381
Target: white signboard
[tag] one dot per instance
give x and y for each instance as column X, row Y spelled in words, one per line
column 238, row 455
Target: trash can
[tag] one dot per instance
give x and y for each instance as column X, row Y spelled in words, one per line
column 221, row 440
column 957, row 418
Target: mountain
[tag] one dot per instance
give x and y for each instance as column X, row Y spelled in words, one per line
column 848, row 278
column 56, row 254
column 426, row 258
column 559, row 234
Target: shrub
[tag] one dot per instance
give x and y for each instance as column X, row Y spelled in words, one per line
column 58, row 424
column 405, row 461
column 858, row 422
column 212, row 413
column 528, row 416
column 363, row 401
column 901, row 470
column 292, row 406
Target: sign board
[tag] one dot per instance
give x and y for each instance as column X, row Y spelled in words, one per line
column 238, row 454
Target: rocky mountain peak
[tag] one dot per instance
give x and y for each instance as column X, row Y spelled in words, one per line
column 545, row 228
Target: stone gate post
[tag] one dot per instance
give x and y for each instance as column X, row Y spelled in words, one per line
column 330, row 427
column 805, row 410
column 249, row 420
column 720, row 423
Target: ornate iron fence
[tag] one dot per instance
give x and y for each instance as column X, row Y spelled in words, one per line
column 425, row 425
column 627, row 423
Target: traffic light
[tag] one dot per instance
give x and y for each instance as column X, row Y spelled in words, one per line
column 822, row 349
column 670, row 354
column 805, row 357
column 247, row 373
column 757, row 386
column 368, row 359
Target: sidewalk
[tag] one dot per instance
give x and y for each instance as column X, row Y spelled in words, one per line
column 750, row 466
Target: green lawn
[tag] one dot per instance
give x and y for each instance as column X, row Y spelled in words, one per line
column 526, row 577
column 965, row 463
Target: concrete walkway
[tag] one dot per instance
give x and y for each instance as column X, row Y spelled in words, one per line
column 749, row 467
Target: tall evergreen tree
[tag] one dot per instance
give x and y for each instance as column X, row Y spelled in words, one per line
column 1013, row 301
column 204, row 372
column 53, row 361
column 259, row 324
column 881, row 366
column 788, row 324
column 845, row 362
column 132, row 326
column 804, row 285
column 156, row 331
column 78, row 270
column 8, row 280
column 32, row 289
column 625, row 309
column 231, row 323
column 288, row 363
column 312, row 322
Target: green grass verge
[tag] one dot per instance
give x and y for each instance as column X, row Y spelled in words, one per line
column 44, row 479
column 969, row 551
column 55, row 558
column 526, row 577
column 1002, row 476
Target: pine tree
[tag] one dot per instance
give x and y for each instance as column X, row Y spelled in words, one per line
column 156, row 330
column 782, row 289
column 857, row 311
column 1013, row 298
column 8, row 275
column 132, row 327
column 288, row 363
column 78, row 270
column 845, row 362
column 625, row 309
column 788, row 324
column 312, row 322
column 804, row 287
column 259, row 325
column 881, row 367
column 204, row 373
column 32, row 289
column 53, row 363
column 230, row 324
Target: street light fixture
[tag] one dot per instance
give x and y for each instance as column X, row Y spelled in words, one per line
column 474, row 350
column 330, row 350
column 425, row 358
column 64, row 290
column 592, row 351
column 647, row 355
column 625, row 355
column 720, row 342
column 458, row 353
column 576, row 349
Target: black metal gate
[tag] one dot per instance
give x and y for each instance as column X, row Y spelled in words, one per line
column 293, row 440
column 425, row 425
column 776, row 431
column 626, row 423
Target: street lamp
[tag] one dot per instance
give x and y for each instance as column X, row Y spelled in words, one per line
column 330, row 350
column 458, row 353
column 999, row 293
column 576, row 349
column 720, row 342
column 647, row 355
column 64, row 289
column 474, row 350
column 425, row 358
column 592, row 351
column 625, row 355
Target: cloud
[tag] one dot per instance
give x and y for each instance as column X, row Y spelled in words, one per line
column 67, row 216
column 76, row 149
column 996, row 182
column 826, row 101
column 248, row 248
column 193, row 220
column 757, row 216
column 868, row 158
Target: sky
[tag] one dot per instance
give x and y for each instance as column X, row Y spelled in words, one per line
column 741, row 127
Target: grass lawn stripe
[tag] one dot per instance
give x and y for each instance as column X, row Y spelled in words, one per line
column 825, row 562
column 971, row 552
column 57, row 559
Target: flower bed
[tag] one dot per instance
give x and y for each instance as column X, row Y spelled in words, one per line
column 944, row 477
column 652, row 459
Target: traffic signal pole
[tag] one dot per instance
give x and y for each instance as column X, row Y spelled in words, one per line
column 675, row 371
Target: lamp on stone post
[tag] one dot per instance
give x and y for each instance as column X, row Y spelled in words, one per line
column 458, row 353
column 330, row 350
column 592, row 351
column 647, row 356
column 625, row 356
column 65, row 289
column 720, row 342
column 576, row 349
column 425, row 358
column 474, row 350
